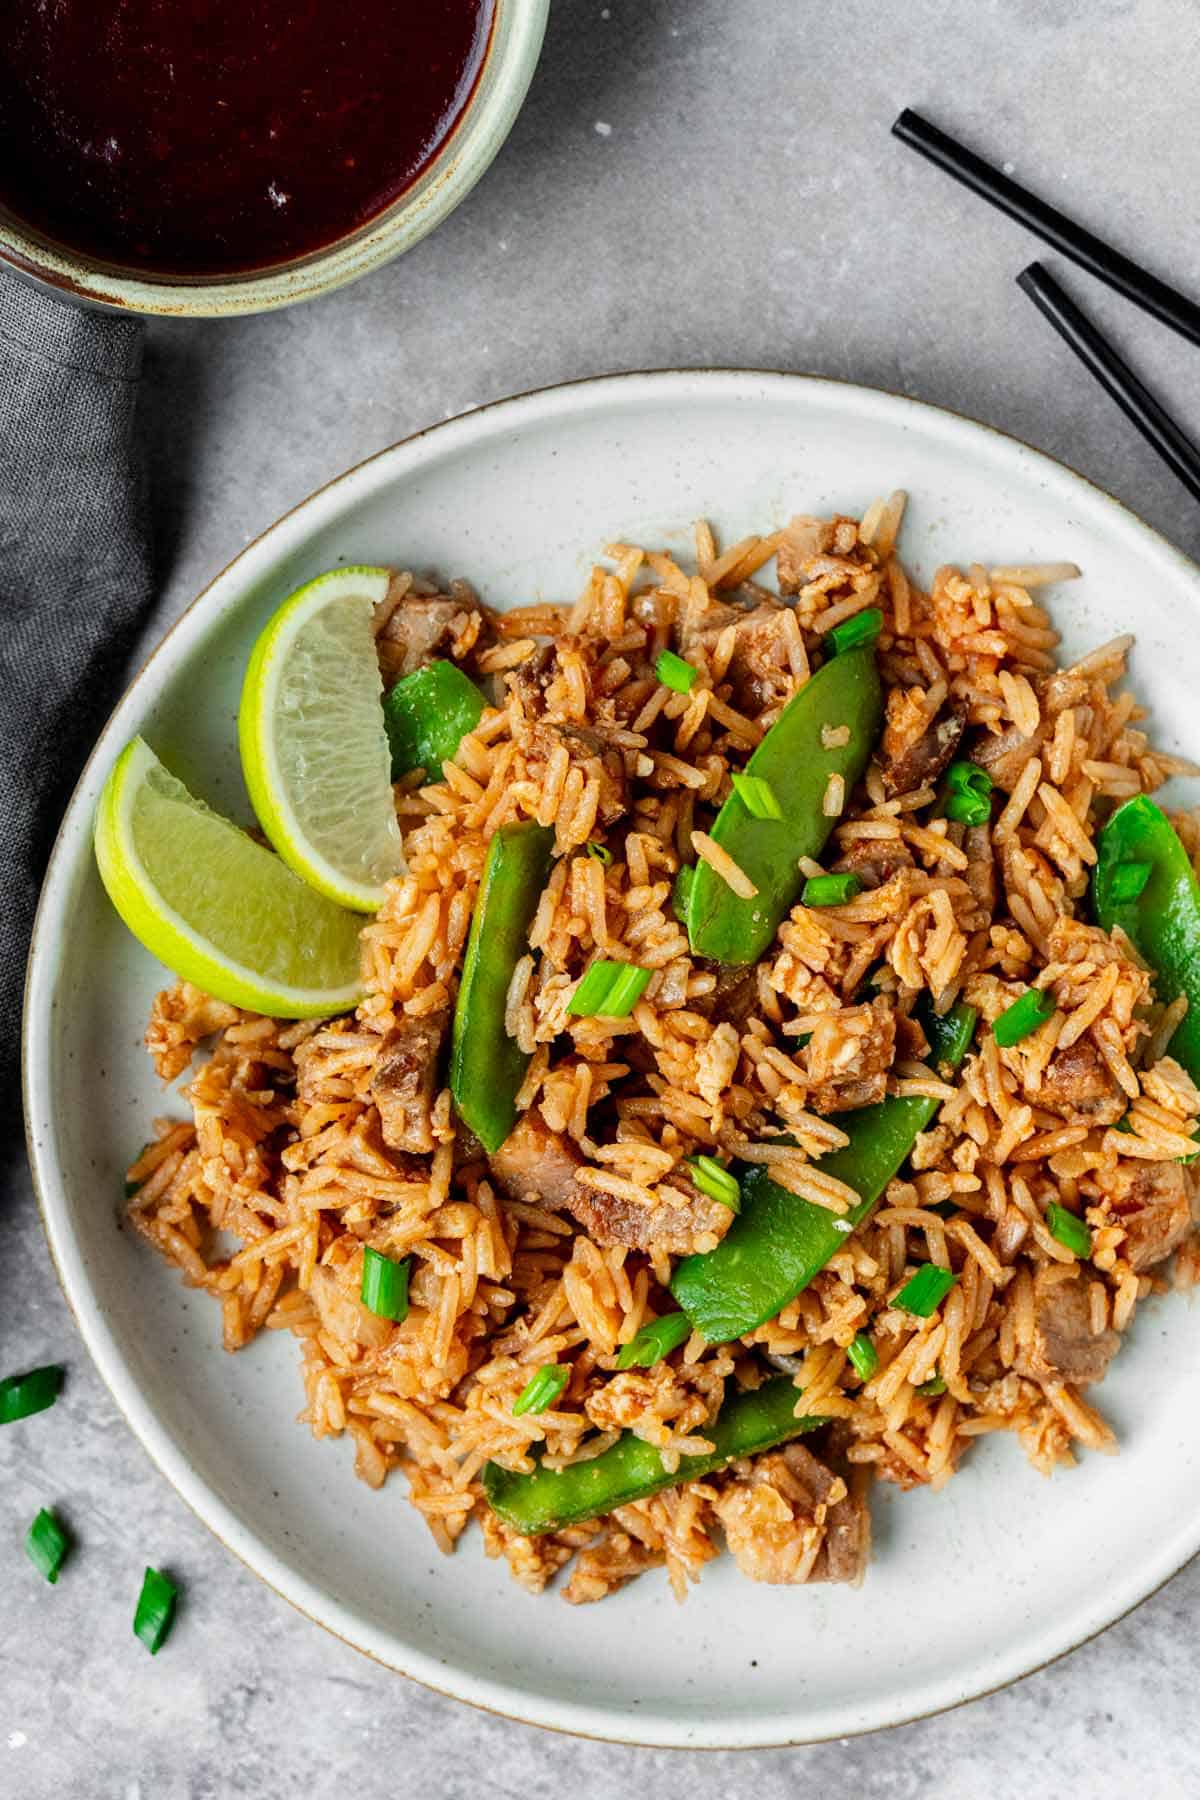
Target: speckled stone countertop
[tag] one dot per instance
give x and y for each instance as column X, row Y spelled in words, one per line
column 691, row 182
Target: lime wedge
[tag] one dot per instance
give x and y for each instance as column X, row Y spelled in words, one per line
column 314, row 744
column 215, row 906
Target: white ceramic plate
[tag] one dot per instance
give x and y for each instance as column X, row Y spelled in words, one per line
column 969, row 1588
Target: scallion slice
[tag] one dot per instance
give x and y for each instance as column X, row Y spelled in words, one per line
column 674, row 672
column 931, row 1388
column 757, row 796
column 542, row 1389
column 46, row 1544
column 715, row 1180
column 967, row 794
column 598, row 853
column 1127, row 881
column 1069, row 1230
column 609, row 990
column 831, row 890
column 1023, row 1017
column 155, row 1612
column 23, row 1395
column 860, row 629
column 926, row 1290
column 654, row 1341
column 864, row 1357
column 384, row 1289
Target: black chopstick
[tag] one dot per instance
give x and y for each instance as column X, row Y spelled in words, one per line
column 1114, row 375
column 1090, row 252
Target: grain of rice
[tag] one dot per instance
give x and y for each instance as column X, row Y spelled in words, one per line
column 722, row 864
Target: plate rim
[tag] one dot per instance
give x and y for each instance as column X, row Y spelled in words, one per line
column 69, row 851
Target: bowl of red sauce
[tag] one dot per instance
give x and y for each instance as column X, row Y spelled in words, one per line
column 210, row 157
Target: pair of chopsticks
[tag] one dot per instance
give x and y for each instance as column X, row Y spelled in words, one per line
column 1160, row 430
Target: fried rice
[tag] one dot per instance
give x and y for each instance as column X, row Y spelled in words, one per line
column 307, row 1142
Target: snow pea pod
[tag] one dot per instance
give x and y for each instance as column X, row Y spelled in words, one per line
column 549, row 1499
column 487, row 1067
column 778, row 1242
column 428, row 714
column 796, row 764
column 1163, row 919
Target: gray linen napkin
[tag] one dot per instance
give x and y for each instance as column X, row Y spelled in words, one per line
column 75, row 582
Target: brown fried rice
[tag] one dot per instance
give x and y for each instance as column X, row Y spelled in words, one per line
column 307, row 1142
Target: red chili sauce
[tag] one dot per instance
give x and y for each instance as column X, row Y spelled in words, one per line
column 199, row 137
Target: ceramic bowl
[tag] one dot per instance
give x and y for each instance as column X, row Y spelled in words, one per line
column 969, row 1587
column 487, row 119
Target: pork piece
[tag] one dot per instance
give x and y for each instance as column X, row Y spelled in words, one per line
column 403, row 1083
column 906, row 762
column 980, row 875
column 770, row 1523
column 541, row 1167
column 537, row 1165
column 1079, row 1086
column 874, row 860
column 587, row 745
column 676, row 1229
column 419, row 629
column 1065, row 1348
column 1005, row 754
column 843, row 1082
column 734, row 998
column 1153, row 1206
column 759, row 670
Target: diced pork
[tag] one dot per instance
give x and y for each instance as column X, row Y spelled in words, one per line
column 1079, row 1085
column 537, row 1165
column 791, row 1520
column 1004, row 754
column 875, row 860
column 906, row 762
column 541, row 1167
column 402, row 1085
column 1153, row 1206
column 419, row 629
column 735, row 996
column 1065, row 1347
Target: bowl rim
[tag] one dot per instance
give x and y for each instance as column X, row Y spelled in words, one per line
column 71, row 848
column 514, row 46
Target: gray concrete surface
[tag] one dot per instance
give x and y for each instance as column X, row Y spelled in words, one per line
column 692, row 181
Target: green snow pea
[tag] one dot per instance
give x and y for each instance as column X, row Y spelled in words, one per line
column 796, row 765
column 1162, row 918
column 487, row 1067
column 778, row 1242
column 629, row 1470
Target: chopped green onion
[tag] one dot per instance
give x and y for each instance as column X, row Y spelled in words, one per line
column 1123, row 1124
column 609, row 990
column 22, row 1395
column 674, row 673
column 924, row 1293
column 1023, row 1017
column 968, row 778
column 757, row 796
column 863, row 1356
column 542, row 1389
column 862, row 628
column 598, row 852
column 155, row 1612
column 968, row 794
column 654, row 1341
column 46, row 1544
column 384, row 1288
column 715, row 1180
column 932, row 1387
column 831, row 890
column 1127, row 881
column 967, row 808
column 1069, row 1230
